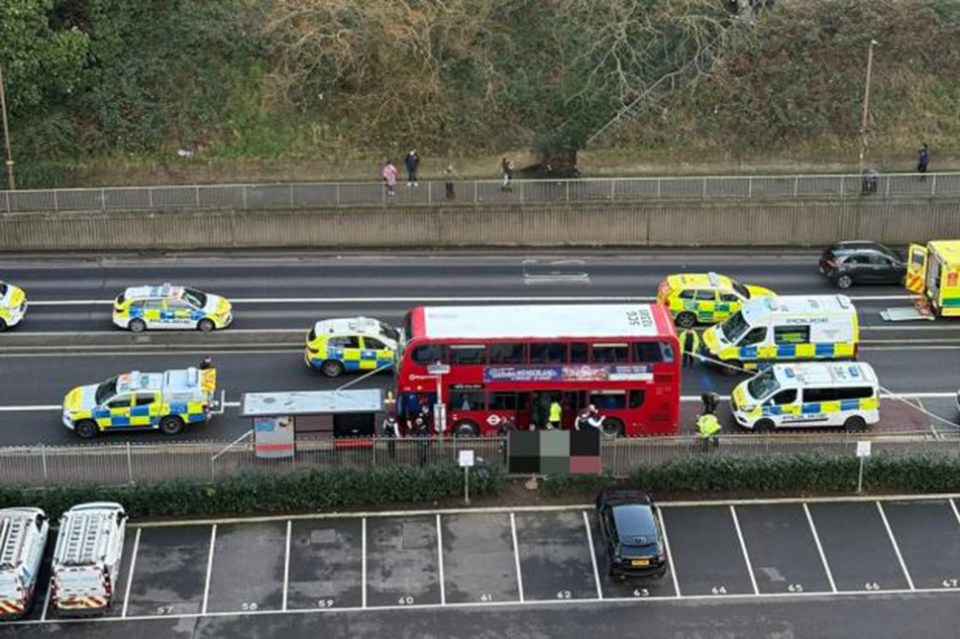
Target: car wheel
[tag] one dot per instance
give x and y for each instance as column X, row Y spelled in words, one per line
column 732, row 368
column 843, row 282
column 855, row 424
column 466, row 428
column 686, row 319
column 3, row 325
column 171, row 425
column 764, row 426
column 87, row 429
column 137, row 326
column 332, row 368
column 612, row 427
column 206, row 325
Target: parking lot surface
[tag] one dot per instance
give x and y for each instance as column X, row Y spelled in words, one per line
column 221, row 576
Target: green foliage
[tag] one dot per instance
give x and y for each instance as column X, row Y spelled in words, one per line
column 306, row 491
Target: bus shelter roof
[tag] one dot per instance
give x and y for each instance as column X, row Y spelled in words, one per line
column 311, row 403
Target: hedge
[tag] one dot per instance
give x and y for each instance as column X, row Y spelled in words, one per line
column 304, row 491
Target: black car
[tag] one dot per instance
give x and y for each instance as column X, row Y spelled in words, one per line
column 861, row 262
column 630, row 534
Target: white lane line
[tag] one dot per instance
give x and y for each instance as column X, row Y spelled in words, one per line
column 666, row 542
column 896, row 548
column 46, row 600
column 743, row 547
column 206, row 586
column 133, row 565
column 286, row 564
column 956, row 513
column 363, row 562
column 516, row 554
column 593, row 555
column 443, row 588
column 823, row 556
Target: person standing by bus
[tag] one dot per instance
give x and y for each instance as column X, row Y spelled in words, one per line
column 422, row 433
column 555, row 417
column 390, row 429
column 689, row 346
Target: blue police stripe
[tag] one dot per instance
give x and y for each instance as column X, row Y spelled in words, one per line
column 352, row 365
column 197, row 315
column 849, row 404
column 787, row 350
column 99, row 413
column 140, row 411
column 196, row 417
column 119, row 421
column 772, row 410
column 811, row 408
column 178, row 407
column 748, row 352
column 824, row 350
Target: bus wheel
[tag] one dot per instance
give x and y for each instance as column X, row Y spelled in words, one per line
column 466, row 428
column 732, row 368
column 855, row 424
column 332, row 368
column 612, row 427
column 686, row 319
column 763, row 426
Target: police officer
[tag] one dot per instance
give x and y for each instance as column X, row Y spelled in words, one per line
column 391, row 430
column 689, row 345
column 555, row 415
column 707, row 428
column 207, row 363
column 422, row 433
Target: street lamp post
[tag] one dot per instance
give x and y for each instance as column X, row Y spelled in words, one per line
column 866, row 106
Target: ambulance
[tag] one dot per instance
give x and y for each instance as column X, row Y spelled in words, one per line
column 934, row 272
column 167, row 401
column 784, row 328
column 335, row 346
column 86, row 559
column 812, row 394
column 23, row 536
column 705, row 298
column 13, row 305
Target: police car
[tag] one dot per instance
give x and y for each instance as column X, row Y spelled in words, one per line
column 165, row 401
column 350, row 344
column 705, row 298
column 170, row 307
column 13, row 305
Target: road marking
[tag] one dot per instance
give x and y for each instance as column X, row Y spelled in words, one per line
column 956, row 514
column 516, row 554
column 363, row 561
column 666, row 542
column 743, row 547
column 206, row 587
column 133, row 565
column 823, row 556
column 896, row 548
column 46, row 601
column 443, row 589
column 593, row 555
column 286, row 564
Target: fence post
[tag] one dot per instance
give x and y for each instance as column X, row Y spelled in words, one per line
column 887, row 188
column 374, row 456
column 43, row 461
column 7, row 194
column 129, row 463
column 521, row 192
column 430, row 193
column 213, row 469
column 796, row 186
column 750, row 188
column 613, row 189
column 842, row 181
column 933, row 186
column 56, row 200
column 568, row 191
column 196, row 193
column 150, row 198
column 703, row 190
column 290, row 191
column 658, row 187
column 103, row 199
column 243, row 193
column 338, row 194
column 476, row 192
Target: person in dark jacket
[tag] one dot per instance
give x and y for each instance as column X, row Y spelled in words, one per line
column 413, row 163
column 923, row 161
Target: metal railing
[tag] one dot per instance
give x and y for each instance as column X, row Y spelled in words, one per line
column 129, row 464
column 302, row 195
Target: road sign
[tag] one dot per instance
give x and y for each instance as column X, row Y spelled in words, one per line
column 466, row 458
column 863, row 449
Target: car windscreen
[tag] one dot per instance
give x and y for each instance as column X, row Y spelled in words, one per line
column 635, row 525
column 741, row 290
column 734, row 328
column 389, row 331
column 763, row 385
column 195, row 297
column 106, row 390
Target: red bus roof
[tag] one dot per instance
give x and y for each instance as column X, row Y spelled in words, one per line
column 546, row 321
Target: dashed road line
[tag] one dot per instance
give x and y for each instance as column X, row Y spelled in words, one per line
column 823, row 556
column 896, row 548
column 206, row 587
column 133, row 565
column 593, row 555
column 743, row 547
column 516, row 554
column 666, row 542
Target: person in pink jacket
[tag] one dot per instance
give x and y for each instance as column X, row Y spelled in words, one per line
column 389, row 174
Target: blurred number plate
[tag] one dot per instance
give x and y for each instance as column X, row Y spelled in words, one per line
column 640, row 562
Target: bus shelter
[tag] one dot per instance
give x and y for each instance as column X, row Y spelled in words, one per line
column 280, row 419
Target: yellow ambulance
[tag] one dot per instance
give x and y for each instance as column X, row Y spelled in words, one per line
column 705, row 298
column 934, row 272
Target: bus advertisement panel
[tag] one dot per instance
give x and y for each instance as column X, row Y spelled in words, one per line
column 500, row 367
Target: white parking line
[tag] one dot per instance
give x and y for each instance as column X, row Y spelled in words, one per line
column 593, row 555
column 206, row 587
column 666, row 542
column 133, row 565
column 46, row 600
column 896, row 548
column 956, row 514
column 743, row 547
column 363, row 561
column 286, row 565
column 516, row 555
column 823, row 556
column 443, row 589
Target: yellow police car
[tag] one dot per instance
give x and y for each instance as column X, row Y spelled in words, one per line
column 13, row 305
column 705, row 298
column 165, row 401
column 351, row 344
column 170, row 307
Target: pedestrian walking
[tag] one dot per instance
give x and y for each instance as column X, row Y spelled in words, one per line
column 448, row 177
column 707, row 428
column 422, row 433
column 507, row 168
column 923, row 161
column 413, row 163
column 556, row 415
column 389, row 174
column 390, row 429
column 689, row 346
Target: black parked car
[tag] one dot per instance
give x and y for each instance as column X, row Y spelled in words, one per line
column 862, row 262
column 630, row 534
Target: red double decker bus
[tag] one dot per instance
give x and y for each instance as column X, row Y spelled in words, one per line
column 493, row 366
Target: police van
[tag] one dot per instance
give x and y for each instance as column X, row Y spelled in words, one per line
column 86, row 558
column 350, row 344
column 784, row 328
column 23, row 536
column 811, row 394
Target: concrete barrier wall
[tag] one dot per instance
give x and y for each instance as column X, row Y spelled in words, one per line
column 680, row 224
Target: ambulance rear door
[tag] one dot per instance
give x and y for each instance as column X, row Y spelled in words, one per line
column 916, row 268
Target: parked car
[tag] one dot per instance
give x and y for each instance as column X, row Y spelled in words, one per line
column 631, row 535
column 862, row 262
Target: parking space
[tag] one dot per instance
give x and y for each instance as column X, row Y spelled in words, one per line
column 928, row 537
column 479, row 560
column 403, row 562
column 246, row 567
column 555, row 556
column 326, row 564
column 170, row 573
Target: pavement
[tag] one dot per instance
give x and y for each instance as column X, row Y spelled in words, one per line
column 775, row 568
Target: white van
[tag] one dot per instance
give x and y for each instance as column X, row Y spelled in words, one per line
column 784, row 328
column 23, row 536
column 86, row 559
column 811, row 394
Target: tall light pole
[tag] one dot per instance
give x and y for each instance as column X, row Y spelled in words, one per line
column 6, row 134
column 866, row 105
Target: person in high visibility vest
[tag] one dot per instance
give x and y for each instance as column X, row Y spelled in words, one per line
column 689, row 346
column 555, row 415
column 707, row 428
